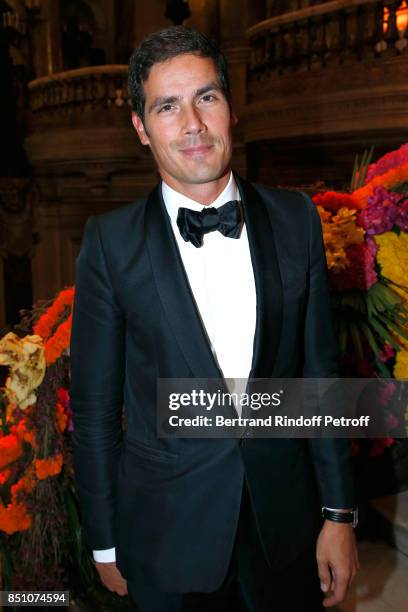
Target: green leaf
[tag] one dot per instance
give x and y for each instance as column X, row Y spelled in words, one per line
column 388, row 281
column 384, row 371
column 396, row 328
column 356, row 338
column 388, row 295
column 370, row 304
column 378, row 303
column 382, row 332
column 366, row 165
column 343, row 337
column 370, row 339
column 353, row 178
column 360, row 170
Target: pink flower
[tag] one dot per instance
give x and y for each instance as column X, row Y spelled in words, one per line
column 392, row 421
column 385, row 393
column 64, row 399
column 387, row 353
column 387, row 162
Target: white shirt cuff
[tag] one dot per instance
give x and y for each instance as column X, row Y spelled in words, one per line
column 104, row 556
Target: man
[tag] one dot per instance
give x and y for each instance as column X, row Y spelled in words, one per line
column 165, row 290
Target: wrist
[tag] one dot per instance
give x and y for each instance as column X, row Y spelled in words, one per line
column 341, row 516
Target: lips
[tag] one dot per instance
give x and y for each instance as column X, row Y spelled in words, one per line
column 197, row 151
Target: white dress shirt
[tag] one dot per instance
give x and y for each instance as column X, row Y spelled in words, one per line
column 221, row 278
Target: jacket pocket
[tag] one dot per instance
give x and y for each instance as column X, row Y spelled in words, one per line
column 149, row 452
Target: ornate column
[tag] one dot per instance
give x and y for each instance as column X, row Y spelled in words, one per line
column 233, row 24
column 16, row 245
column 46, row 36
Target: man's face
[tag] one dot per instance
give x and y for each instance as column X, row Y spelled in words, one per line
column 187, row 121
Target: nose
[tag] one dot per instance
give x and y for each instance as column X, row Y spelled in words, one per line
column 193, row 122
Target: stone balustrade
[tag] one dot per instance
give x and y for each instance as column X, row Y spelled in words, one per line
column 83, row 89
column 327, row 34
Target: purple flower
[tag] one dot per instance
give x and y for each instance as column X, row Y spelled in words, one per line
column 381, row 212
column 402, row 216
column 372, row 246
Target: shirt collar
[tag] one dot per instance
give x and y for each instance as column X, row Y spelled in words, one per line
column 173, row 200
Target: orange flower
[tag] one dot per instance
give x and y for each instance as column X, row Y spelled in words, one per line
column 26, row 483
column 21, row 431
column 339, row 232
column 4, row 474
column 47, row 322
column 48, row 467
column 58, row 342
column 14, row 517
column 10, row 449
column 61, row 417
column 389, row 179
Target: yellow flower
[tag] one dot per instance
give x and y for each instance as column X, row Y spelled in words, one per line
column 401, row 363
column 339, row 232
column 393, row 257
column 25, row 357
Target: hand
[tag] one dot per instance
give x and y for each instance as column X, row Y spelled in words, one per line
column 111, row 577
column 337, row 560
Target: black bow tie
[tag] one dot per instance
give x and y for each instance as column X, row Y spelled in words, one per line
column 227, row 219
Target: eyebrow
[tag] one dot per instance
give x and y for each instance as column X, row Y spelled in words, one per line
column 162, row 100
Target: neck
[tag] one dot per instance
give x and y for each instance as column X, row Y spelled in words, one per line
column 203, row 193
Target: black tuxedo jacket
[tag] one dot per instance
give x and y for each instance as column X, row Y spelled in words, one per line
column 170, row 506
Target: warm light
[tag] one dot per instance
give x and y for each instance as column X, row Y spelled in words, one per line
column 401, row 15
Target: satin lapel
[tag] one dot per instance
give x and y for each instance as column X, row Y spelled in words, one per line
column 267, row 280
column 174, row 290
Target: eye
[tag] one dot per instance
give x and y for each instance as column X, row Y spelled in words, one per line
column 165, row 108
column 209, row 97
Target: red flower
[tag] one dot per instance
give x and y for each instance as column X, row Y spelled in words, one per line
column 360, row 274
column 14, row 517
column 379, row 445
column 333, row 201
column 10, row 449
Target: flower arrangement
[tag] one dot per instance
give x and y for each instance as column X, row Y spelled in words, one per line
column 35, row 459
column 365, row 232
column 41, row 546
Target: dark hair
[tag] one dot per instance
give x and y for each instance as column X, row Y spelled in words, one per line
column 165, row 44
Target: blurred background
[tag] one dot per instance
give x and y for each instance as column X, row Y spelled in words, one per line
column 313, row 84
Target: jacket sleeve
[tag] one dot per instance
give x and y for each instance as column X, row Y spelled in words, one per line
column 330, row 456
column 97, row 362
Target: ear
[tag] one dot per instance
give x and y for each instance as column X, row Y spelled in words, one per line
column 140, row 129
column 234, row 119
